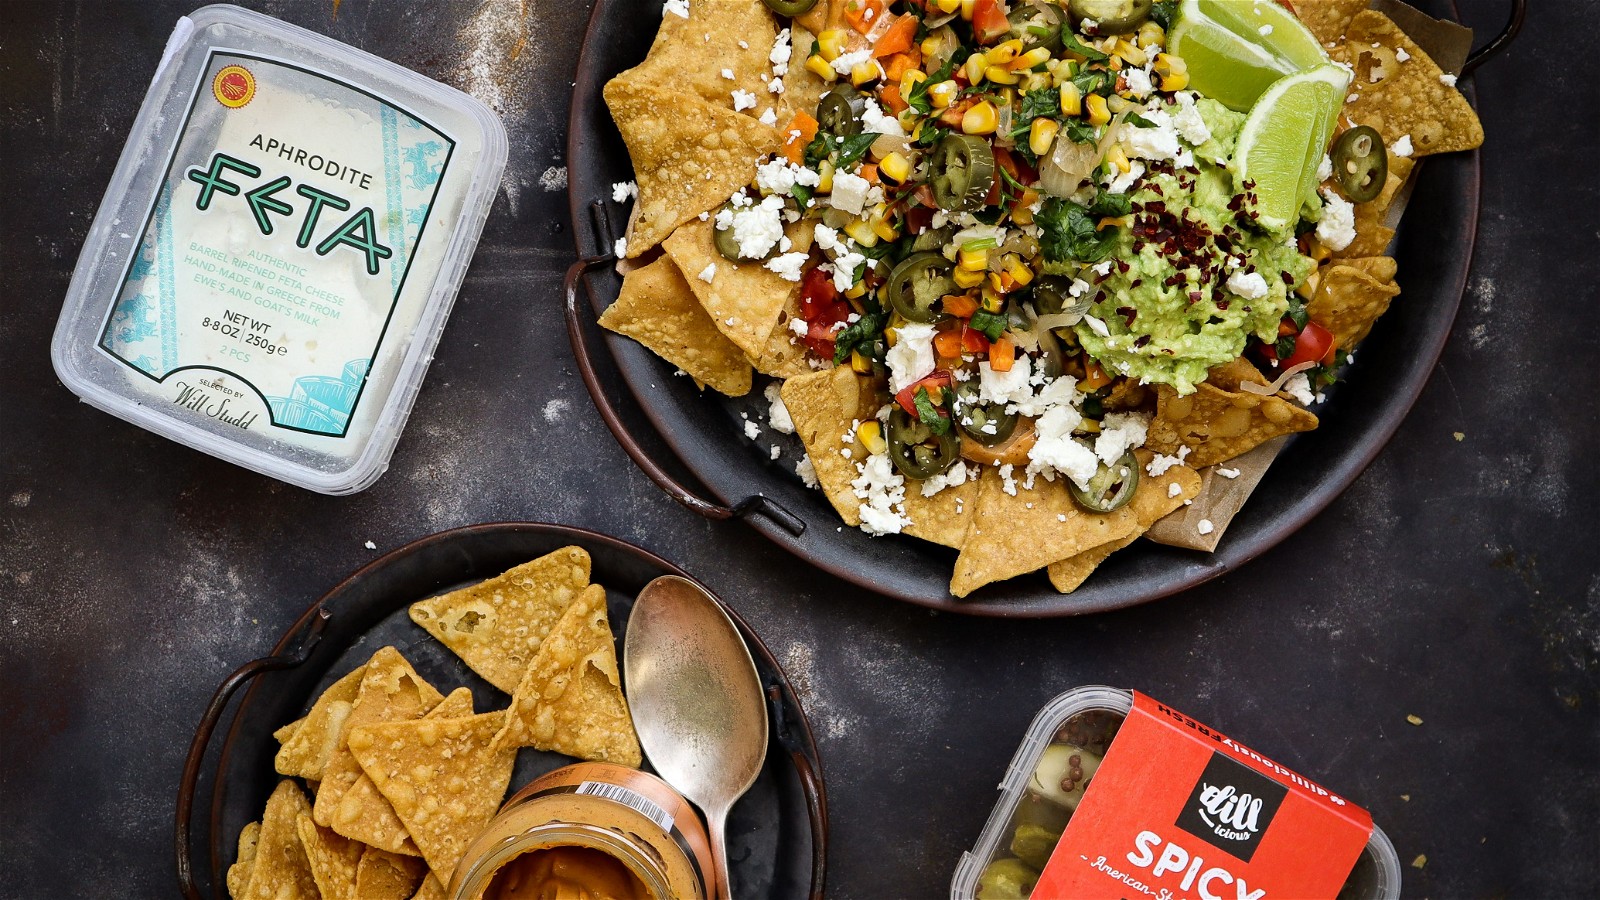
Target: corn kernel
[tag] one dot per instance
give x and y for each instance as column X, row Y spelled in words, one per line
column 1018, row 270
column 1099, row 113
column 862, row 233
column 1110, row 222
column 943, row 93
column 949, row 6
column 894, row 168
column 965, row 278
column 860, row 363
column 856, row 292
column 819, row 67
column 1031, row 59
column 864, row 73
column 1071, row 100
column 1151, row 34
column 973, row 260
column 911, row 79
column 1131, row 52
column 1036, row 81
column 990, row 299
column 1004, row 52
column 1000, row 75
column 966, row 9
column 1119, row 104
column 885, row 229
column 930, row 47
column 870, row 433
column 1088, row 426
column 974, row 68
column 824, row 178
column 980, row 118
column 830, row 43
column 1177, row 81
column 1119, row 158
column 998, row 283
column 1042, row 134
column 1308, row 288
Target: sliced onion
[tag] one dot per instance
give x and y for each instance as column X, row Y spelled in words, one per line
column 1267, row 390
column 1071, row 163
column 893, row 143
column 1067, row 318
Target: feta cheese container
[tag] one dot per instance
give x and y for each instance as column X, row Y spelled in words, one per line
column 280, row 245
column 1113, row 794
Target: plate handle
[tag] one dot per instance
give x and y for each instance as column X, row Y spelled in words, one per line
column 810, row 782
column 758, row 504
column 1519, row 11
column 202, row 740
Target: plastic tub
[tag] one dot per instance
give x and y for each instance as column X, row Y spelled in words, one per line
column 278, row 250
column 1091, row 717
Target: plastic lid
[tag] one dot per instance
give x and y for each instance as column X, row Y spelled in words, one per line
column 278, row 250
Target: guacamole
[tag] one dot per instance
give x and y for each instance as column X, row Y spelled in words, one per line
column 1193, row 275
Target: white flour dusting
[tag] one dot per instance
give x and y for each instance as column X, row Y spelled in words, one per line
column 554, row 178
column 556, row 410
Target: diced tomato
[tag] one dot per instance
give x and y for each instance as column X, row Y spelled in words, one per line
column 935, row 384
column 897, row 39
column 863, row 14
column 817, row 293
column 924, row 196
column 989, row 21
column 973, row 341
column 1314, row 344
column 802, row 128
column 947, row 343
column 918, row 218
column 819, row 340
column 1002, row 354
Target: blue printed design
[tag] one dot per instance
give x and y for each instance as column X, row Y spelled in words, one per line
column 321, row 403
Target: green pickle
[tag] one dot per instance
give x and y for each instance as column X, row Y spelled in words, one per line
column 1033, row 844
column 1007, row 879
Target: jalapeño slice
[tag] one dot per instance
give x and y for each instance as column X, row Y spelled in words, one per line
column 1111, row 16
column 1037, row 26
column 724, row 240
column 987, row 423
column 961, row 171
column 916, row 451
column 790, row 7
column 1111, row 487
column 917, row 284
column 839, row 111
column 1360, row 163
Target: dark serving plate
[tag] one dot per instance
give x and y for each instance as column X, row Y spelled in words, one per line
column 777, row 833
column 704, row 430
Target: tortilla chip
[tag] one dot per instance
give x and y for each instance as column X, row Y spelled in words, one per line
column 391, row 691
column 659, row 310
column 333, row 859
column 1380, row 268
column 825, row 406
column 1328, row 19
column 431, row 889
column 785, row 354
column 386, row 876
column 1230, row 375
column 1217, row 425
column 688, row 155
column 1348, row 301
column 363, row 815
column 691, row 54
column 286, row 733
column 802, row 88
column 239, row 872
column 944, row 517
column 495, row 626
column 570, row 699
column 441, row 775
column 1152, row 500
column 744, row 300
column 1013, row 534
column 308, row 750
column 1373, row 231
column 1410, row 99
column 280, row 869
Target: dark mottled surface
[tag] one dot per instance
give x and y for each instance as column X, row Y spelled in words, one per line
column 1456, row 580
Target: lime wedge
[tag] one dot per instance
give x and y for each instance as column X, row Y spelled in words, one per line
column 1236, row 49
column 1283, row 139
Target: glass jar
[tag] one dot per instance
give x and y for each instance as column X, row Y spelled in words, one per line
column 605, row 822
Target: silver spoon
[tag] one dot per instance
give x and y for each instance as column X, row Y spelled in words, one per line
column 696, row 702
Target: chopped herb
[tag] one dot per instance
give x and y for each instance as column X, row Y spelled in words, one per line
column 1297, row 312
column 1093, row 81
column 817, row 150
column 991, row 324
column 1113, row 205
column 929, row 135
column 1070, row 233
column 928, row 413
column 1080, row 132
column 861, row 333
column 853, row 148
column 802, row 195
column 1139, row 121
column 1073, row 45
column 1164, row 13
column 918, row 99
column 1044, row 102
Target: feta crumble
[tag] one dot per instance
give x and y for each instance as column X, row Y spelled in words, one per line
column 1337, row 229
column 1402, row 147
column 769, row 117
column 1445, row 78
column 728, row 74
column 1227, row 473
column 743, row 100
column 1174, row 489
column 806, row 471
column 708, row 273
column 623, row 190
column 1205, row 527
column 911, row 358
column 1249, row 285
column 849, row 193
column 881, row 489
column 751, row 430
column 777, row 414
column 787, row 266
column 676, row 7
column 1119, row 433
column 874, row 120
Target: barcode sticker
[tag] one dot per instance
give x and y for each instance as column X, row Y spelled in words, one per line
column 632, row 799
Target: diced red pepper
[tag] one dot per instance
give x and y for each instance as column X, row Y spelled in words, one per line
column 974, row 341
column 960, row 305
column 863, row 14
column 897, row 39
column 1002, row 354
column 802, row 128
column 890, row 95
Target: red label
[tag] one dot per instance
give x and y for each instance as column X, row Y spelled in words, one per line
column 1178, row 810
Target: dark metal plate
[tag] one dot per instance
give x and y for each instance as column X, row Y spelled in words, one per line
column 776, row 833
column 1434, row 250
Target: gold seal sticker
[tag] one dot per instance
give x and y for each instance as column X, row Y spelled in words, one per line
column 234, row 86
